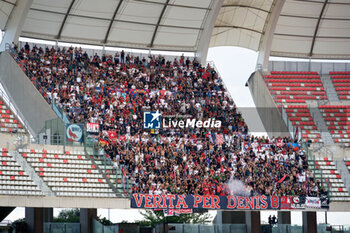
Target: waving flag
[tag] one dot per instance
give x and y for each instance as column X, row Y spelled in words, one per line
column 220, row 139
column 282, row 179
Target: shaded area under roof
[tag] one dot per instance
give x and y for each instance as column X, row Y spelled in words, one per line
column 305, row 28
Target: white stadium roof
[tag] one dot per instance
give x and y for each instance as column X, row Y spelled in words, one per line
column 159, row 24
column 303, row 28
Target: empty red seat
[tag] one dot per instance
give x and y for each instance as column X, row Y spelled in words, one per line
column 341, row 80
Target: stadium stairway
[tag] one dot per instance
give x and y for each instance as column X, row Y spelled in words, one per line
column 33, row 176
column 343, row 170
column 347, row 163
column 329, row 88
column 113, row 175
column 336, row 118
column 325, row 170
column 321, row 124
column 110, row 174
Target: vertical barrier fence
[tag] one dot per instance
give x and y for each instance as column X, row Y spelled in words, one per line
column 53, row 227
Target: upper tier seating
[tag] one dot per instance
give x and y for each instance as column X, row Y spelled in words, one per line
column 294, row 72
column 337, row 119
column 295, row 87
column 300, row 116
column 341, row 82
column 339, row 72
column 115, row 93
column 69, row 173
column 13, row 179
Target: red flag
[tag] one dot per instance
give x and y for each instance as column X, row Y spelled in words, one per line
column 112, row 134
column 282, row 179
column 123, row 171
column 104, row 142
column 122, row 138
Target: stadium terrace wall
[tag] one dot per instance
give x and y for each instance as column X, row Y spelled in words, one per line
column 320, row 67
column 266, row 107
column 23, row 95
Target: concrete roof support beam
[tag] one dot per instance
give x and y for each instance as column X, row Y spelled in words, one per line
column 15, row 22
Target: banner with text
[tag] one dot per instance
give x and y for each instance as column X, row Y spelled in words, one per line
column 205, row 202
column 148, row 201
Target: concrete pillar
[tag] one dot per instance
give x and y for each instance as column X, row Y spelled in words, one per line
column 15, row 22
column 48, row 214
column 253, row 221
column 283, row 217
column 86, row 218
column 205, row 35
column 309, row 222
column 233, row 217
column 267, row 36
column 250, row 218
column 284, row 221
column 35, row 218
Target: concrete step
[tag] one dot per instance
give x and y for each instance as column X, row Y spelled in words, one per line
column 343, row 171
column 321, row 125
column 329, row 88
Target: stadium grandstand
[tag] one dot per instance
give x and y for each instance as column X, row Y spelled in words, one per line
column 113, row 105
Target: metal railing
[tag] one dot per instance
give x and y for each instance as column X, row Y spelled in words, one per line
column 55, row 227
column 107, row 162
column 324, row 151
column 60, row 112
column 294, row 131
column 10, row 103
column 100, row 228
column 312, row 159
column 32, row 174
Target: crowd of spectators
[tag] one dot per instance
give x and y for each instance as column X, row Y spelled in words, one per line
column 115, row 90
column 190, row 166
